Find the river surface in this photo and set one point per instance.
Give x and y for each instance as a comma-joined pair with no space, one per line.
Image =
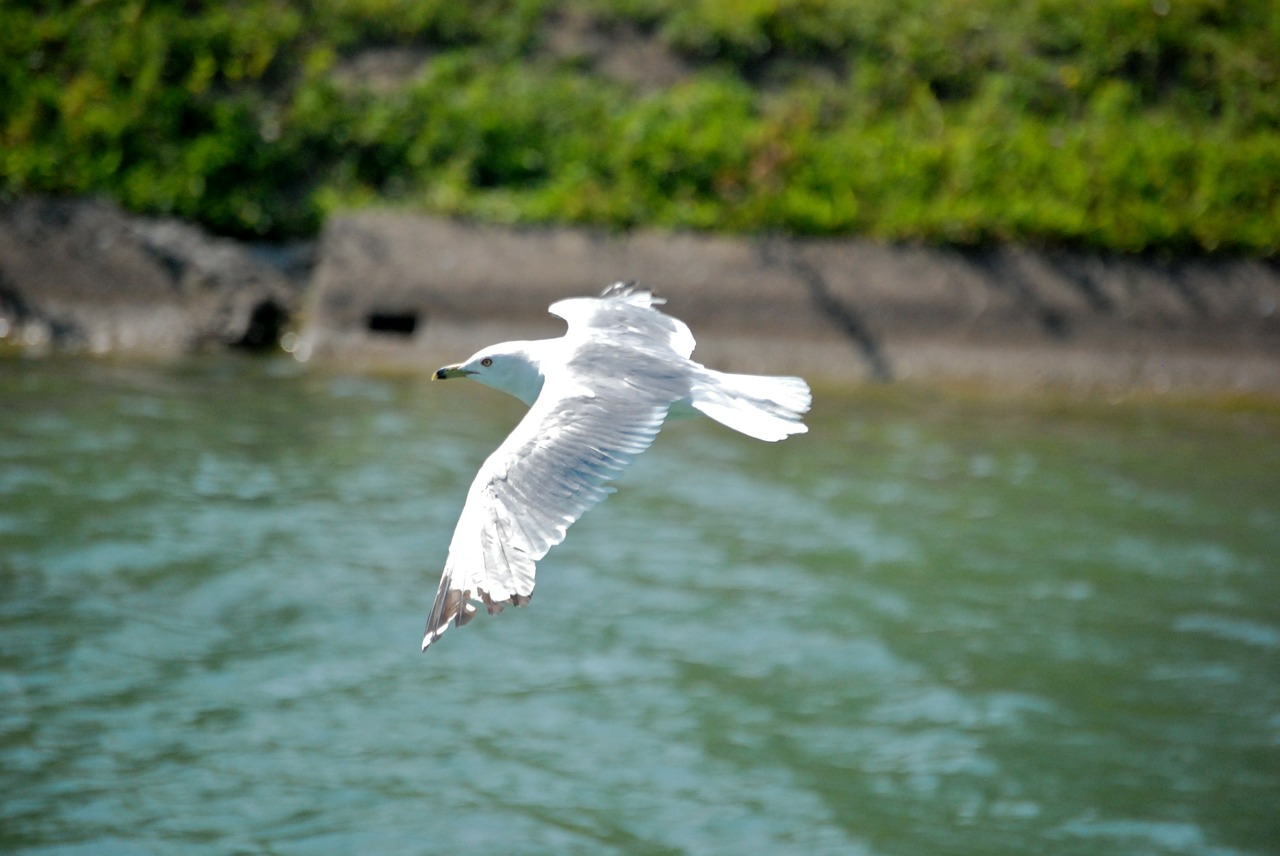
937,624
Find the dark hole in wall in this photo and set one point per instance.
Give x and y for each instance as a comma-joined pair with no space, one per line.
266,323
1054,323
12,306
392,323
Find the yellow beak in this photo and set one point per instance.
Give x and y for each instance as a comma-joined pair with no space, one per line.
450,372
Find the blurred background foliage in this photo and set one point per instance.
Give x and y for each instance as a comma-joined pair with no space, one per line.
1133,125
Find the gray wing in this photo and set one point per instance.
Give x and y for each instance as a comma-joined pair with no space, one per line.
583,430
625,311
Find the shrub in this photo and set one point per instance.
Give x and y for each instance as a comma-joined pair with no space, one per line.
1122,124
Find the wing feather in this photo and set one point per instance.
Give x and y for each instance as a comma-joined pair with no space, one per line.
626,311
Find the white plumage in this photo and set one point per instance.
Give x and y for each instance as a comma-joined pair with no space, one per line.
597,397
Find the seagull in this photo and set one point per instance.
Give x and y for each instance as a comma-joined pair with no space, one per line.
597,397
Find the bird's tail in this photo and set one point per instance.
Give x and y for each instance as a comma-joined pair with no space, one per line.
760,406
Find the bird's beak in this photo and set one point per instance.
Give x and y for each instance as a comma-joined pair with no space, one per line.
450,371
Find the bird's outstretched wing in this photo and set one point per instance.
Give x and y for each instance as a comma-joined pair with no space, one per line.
598,409
625,311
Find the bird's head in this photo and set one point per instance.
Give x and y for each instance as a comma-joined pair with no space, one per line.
512,367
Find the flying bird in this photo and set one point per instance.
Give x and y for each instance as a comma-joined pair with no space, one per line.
597,397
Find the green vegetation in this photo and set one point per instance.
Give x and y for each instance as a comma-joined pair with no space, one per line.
1136,125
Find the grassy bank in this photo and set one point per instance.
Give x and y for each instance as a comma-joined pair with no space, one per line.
1135,126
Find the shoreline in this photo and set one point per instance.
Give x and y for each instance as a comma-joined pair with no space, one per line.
409,292
999,370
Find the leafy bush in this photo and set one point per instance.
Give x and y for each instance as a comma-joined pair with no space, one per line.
1125,125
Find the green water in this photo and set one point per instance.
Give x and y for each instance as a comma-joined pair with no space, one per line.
933,625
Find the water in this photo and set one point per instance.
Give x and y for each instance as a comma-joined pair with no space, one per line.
936,624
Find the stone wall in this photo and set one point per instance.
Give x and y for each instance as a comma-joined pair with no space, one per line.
410,290
842,307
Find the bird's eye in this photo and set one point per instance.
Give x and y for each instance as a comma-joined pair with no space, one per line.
486,362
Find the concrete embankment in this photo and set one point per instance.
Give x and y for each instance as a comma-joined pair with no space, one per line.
409,290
